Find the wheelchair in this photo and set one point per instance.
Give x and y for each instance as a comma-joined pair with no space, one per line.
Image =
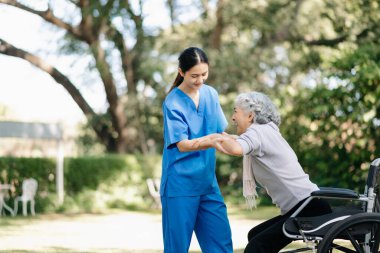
349,229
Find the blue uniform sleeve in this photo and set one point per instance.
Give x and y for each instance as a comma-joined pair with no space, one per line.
175,128
222,121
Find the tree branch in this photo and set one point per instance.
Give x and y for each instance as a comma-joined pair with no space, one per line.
136,18
47,15
216,35
8,49
172,14
126,57
325,42
206,8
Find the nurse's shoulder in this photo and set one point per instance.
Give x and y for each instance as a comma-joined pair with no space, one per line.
212,96
210,90
173,100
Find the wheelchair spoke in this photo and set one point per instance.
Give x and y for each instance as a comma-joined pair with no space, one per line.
354,242
376,239
341,248
375,246
296,250
359,233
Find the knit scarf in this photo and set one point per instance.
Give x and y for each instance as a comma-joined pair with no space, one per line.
249,183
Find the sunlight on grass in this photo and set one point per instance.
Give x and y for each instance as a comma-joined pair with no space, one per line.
112,232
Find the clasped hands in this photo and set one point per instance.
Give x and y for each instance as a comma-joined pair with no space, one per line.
216,140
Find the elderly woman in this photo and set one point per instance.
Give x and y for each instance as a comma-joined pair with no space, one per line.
271,162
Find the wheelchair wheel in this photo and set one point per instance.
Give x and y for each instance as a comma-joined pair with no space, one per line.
358,233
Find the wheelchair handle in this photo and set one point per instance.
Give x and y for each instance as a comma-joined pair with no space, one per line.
372,173
376,162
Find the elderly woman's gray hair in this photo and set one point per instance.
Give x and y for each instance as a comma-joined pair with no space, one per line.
264,109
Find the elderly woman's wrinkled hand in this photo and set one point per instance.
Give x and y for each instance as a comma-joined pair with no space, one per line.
232,136
206,141
218,144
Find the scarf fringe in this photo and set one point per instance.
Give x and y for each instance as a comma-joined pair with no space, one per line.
249,183
251,202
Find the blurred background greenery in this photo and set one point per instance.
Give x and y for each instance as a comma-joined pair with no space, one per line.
319,61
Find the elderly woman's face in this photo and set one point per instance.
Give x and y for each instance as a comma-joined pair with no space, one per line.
242,120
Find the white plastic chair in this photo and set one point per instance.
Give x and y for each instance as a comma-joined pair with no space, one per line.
154,190
29,189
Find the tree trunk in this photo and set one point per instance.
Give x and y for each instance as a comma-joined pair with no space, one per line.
216,35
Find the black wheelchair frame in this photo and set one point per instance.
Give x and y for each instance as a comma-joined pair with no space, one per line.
347,230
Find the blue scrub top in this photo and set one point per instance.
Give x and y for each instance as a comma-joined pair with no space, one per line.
190,173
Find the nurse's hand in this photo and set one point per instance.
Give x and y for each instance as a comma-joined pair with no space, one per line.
208,141
232,136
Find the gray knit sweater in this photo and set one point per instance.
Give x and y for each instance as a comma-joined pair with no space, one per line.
275,165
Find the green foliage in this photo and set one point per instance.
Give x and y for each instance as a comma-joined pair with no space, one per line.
335,131
361,66
97,183
228,173
318,60
14,170
89,172
92,184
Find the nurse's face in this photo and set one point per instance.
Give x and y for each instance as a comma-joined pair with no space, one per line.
242,120
195,77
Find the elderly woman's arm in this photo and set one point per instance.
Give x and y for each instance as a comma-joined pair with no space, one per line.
229,145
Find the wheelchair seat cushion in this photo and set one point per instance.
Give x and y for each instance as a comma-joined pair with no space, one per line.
318,225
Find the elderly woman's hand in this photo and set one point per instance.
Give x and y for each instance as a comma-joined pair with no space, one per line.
232,136
207,141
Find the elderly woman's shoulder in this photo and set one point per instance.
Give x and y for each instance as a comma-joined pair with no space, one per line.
262,127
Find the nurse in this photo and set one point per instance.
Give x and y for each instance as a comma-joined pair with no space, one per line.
190,195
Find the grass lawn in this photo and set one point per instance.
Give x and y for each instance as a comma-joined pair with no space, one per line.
111,232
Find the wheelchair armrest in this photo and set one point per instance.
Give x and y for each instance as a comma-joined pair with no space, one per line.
335,193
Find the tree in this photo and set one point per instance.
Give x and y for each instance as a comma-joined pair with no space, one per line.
294,51
113,33
276,46
96,34
336,130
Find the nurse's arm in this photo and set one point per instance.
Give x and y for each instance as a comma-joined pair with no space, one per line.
205,142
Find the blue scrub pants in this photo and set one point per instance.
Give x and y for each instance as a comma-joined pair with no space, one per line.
205,214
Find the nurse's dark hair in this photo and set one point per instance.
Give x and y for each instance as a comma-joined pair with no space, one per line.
187,59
